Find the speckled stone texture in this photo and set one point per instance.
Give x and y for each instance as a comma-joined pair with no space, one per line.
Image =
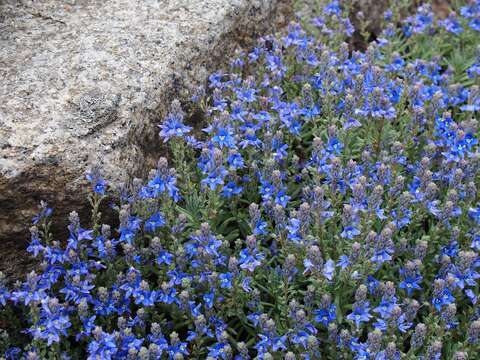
86,82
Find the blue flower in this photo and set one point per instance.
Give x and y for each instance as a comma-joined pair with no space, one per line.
294,230
344,261
282,198
35,247
443,299
164,258
226,280
246,284
76,291
475,24
452,25
382,255
173,125
474,214
209,299
53,322
267,190
215,80
13,353
99,185
4,294
249,260
260,227
360,313
168,296
153,222
386,306
422,20
218,351
333,8
246,95
329,269
45,212
231,189
224,138
177,348
104,347
476,242
349,232
235,161
474,71
279,150
54,255
88,324
158,185
387,15
215,178
410,282
326,316
250,139
334,147
469,11
471,295
372,284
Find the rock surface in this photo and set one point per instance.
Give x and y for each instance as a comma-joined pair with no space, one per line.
86,82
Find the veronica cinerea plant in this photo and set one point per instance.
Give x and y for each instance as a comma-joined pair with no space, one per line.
328,208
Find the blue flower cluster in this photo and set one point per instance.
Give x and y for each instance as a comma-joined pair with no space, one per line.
329,209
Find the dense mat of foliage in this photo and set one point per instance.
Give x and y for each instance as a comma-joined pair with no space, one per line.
328,210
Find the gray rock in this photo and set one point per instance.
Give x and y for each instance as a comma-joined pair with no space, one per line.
86,82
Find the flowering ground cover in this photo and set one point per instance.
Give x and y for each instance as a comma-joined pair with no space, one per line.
328,209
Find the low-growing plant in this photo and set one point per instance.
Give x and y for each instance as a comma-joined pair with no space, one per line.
329,209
